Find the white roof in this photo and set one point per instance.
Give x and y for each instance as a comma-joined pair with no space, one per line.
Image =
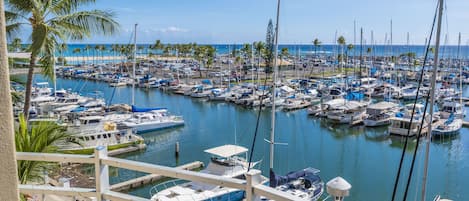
287,89
382,105
91,118
226,150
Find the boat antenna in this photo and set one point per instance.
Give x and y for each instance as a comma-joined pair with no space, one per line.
134,64
413,111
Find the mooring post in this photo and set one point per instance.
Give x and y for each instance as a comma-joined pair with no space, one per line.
253,177
177,150
101,172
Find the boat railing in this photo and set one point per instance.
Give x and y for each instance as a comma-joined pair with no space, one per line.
165,185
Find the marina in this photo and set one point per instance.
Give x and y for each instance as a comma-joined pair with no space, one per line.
334,149
173,120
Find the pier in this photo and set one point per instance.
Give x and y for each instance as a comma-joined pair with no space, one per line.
151,178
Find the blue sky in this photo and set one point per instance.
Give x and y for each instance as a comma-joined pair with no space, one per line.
240,21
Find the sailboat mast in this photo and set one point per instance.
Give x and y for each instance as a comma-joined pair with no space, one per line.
272,130
432,99
460,69
134,64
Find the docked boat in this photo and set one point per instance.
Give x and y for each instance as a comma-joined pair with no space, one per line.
226,161
151,119
304,184
449,127
380,114
347,112
452,108
118,83
93,131
402,125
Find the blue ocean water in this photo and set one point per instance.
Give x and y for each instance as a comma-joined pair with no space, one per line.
377,50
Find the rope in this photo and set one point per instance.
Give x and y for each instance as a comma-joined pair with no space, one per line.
257,122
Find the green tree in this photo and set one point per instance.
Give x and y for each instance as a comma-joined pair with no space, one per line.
246,50
269,47
53,22
316,44
76,51
42,137
341,42
283,54
16,44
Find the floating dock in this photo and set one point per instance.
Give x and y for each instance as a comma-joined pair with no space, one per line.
140,181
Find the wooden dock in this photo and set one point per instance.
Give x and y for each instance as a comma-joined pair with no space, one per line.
465,123
140,181
127,150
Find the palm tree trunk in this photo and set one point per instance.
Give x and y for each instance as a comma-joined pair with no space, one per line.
29,86
8,175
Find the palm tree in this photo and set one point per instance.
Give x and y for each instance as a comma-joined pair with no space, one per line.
259,49
62,48
87,49
16,44
51,23
247,54
283,54
42,137
76,51
157,46
316,44
341,42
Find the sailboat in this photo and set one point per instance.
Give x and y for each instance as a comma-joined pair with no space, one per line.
306,184
148,119
452,111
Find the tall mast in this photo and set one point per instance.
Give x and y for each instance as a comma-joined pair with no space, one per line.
460,69
432,99
55,76
272,129
134,64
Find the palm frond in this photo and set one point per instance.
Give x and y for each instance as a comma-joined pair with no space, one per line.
63,7
40,137
13,30
38,38
23,6
87,22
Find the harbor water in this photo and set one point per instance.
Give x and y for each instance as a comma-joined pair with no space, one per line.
366,157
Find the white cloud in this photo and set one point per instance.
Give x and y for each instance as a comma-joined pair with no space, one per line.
172,29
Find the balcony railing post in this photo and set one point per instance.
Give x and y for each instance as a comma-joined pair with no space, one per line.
253,177
101,172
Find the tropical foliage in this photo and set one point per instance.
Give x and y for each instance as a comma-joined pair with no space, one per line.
53,22
42,137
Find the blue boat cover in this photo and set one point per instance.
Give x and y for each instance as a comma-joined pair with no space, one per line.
399,114
450,119
355,96
206,82
145,109
309,174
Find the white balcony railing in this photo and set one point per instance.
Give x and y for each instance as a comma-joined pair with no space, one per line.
102,161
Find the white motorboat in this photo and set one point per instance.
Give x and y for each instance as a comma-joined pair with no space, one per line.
152,120
449,127
347,112
380,114
226,162
93,131
403,126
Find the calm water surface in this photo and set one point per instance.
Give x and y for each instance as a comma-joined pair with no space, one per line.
367,158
